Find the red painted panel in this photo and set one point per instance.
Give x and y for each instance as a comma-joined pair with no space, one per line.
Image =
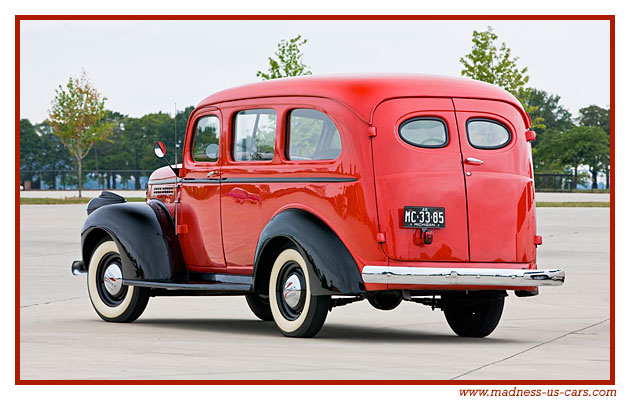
408,175
501,209
199,209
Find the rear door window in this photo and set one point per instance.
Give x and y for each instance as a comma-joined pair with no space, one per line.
487,134
424,132
254,135
312,135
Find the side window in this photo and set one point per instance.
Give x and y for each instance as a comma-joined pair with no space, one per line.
312,136
487,134
424,132
206,143
254,135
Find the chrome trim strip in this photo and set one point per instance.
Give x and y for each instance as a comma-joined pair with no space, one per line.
315,179
462,276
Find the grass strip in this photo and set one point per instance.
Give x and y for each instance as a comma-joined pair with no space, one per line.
572,204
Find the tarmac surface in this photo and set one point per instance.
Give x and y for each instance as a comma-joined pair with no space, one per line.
564,333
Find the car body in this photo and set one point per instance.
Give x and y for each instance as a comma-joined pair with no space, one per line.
385,188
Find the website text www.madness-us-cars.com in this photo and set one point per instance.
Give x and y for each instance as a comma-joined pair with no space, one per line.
551,392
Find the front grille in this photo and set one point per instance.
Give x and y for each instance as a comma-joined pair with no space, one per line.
162,190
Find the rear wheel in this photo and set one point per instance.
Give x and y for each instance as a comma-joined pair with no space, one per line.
473,315
296,311
259,304
112,300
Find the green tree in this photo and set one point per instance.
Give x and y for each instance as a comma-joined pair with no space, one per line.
30,144
597,116
491,62
548,108
288,61
108,155
54,155
574,147
77,117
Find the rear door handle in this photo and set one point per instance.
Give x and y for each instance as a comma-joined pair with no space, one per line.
213,174
473,161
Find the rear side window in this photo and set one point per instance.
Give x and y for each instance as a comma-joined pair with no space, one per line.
254,135
206,144
424,132
487,134
312,136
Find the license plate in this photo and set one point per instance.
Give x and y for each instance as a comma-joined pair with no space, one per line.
424,217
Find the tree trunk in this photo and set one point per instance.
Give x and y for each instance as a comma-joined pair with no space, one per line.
80,162
594,175
137,175
608,177
575,177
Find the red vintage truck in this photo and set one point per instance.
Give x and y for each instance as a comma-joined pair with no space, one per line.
305,194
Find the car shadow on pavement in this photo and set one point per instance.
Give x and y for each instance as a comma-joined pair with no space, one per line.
335,332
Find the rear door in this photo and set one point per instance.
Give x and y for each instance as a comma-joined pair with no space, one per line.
499,181
417,163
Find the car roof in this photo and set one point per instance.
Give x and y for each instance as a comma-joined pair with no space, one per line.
362,93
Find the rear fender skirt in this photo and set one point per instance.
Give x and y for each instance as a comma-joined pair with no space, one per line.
329,259
146,240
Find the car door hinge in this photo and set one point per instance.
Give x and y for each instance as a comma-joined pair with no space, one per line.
372,131
380,237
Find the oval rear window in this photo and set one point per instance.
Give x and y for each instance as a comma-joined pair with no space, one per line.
487,134
424,132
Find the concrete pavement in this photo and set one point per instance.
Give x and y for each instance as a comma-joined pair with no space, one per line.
561,334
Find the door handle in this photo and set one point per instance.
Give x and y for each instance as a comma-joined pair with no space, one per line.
473,161
212,174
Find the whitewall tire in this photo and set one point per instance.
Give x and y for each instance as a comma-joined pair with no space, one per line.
113,301
296,311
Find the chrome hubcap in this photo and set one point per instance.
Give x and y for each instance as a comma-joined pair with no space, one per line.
292,291
112,279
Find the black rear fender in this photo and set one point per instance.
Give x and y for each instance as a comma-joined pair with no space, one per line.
328,258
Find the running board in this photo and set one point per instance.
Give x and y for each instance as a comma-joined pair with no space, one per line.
241,286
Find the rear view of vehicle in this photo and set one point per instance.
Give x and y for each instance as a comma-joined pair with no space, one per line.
462,222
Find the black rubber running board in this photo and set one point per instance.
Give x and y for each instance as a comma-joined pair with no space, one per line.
209,287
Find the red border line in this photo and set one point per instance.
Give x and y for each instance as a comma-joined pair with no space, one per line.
19,18
17,200
612,199
317,17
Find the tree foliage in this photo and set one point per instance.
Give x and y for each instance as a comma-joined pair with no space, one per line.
287,61
580,145
595,116
77,117
492,62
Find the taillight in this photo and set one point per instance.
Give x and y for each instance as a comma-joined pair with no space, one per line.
537,240
422,236
428,237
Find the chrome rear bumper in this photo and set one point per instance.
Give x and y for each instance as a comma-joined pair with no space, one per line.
462,276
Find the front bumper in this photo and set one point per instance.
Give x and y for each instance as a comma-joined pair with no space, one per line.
462,276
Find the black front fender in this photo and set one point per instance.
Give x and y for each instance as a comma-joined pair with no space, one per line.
145,236
328,258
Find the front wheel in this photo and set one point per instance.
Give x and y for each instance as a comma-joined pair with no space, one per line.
112,300
473,316
296,311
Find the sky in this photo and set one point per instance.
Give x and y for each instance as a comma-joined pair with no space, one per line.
149,66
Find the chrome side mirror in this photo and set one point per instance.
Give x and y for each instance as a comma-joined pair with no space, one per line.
159,149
